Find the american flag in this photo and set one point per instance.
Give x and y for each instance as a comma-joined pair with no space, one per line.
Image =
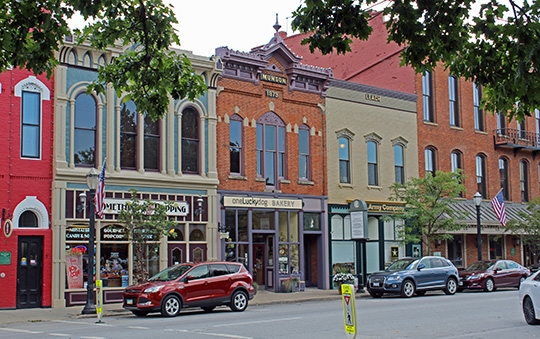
498,206
100,192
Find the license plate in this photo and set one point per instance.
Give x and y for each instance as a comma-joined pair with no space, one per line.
375,283
129,301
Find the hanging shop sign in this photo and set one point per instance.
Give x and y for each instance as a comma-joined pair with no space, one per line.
177,209
255,202
8,228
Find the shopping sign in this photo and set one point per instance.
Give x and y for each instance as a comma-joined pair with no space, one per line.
349,315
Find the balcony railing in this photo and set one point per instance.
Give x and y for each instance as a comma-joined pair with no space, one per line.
514,138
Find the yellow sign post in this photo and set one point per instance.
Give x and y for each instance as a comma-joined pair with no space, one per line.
99,299
349,315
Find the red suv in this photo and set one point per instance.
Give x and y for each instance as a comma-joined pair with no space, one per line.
205,285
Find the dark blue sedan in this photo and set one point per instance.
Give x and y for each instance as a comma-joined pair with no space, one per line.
408,276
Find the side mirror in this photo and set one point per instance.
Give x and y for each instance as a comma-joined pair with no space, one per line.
188,278
421,266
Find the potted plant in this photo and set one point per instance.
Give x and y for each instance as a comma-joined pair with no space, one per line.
343,278
287,285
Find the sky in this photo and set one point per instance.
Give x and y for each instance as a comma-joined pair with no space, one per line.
240,25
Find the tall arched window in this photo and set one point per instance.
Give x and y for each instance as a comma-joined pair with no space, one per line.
190,140
456,163
28,219
271,148
503,177
235,144
303,152
524,180
344,160
430,163
84,152
481,175
128,135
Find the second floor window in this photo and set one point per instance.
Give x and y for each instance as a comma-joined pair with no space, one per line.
151,144
481,175
190,140
85,130
429,158
524,180
31,125
501,124
373,175
522,131
455,162
235,144
303,152
478,112
344,161
453,100
128,135
399,164
427,97
270,146
503,176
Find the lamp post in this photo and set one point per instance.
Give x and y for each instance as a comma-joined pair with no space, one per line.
477,201
92,180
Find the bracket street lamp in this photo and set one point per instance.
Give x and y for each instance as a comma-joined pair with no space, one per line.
477,201
199,210
92,180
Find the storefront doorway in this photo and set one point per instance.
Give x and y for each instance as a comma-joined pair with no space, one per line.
263,263
29,272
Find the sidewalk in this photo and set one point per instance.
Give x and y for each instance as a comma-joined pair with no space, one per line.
111,310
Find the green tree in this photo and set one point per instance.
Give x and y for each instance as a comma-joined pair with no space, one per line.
497,48
145,223
428,215
528,227
149,72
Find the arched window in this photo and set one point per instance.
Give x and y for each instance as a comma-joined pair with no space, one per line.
456,163
235,144
524,180
344,160
85,130
503,177
303,152
190,140
28,219
430,164
128,135
271,148
481,175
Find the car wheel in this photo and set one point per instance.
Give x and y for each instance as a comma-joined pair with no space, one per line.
140,313
528,312
208,309
420,293
239,301
170,306
489,285
407,289
375,294
451,286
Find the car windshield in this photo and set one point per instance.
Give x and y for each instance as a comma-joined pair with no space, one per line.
171,273
401,264
480,265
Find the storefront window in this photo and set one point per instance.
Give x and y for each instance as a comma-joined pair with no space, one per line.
495,248
113,263
312,221
263,220
197,232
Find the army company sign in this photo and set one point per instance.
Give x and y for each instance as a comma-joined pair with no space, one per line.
114,206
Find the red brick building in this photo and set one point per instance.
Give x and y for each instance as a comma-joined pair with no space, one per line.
453,132
26,103
272,164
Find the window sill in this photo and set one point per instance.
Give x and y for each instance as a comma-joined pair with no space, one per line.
284,181
378,188
457,128
260,179
237,177
344,185
306,182
430,123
